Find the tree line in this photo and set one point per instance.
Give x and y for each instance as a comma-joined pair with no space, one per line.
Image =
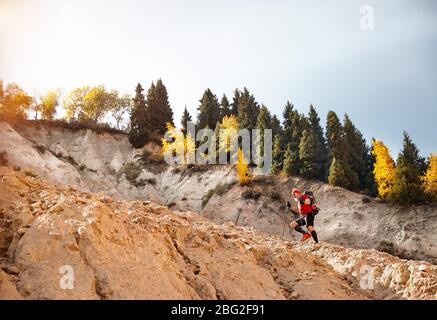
337,154
84,104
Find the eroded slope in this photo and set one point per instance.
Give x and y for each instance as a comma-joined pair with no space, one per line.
131,250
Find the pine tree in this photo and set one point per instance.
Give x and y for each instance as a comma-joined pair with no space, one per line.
208,111
407,183
298,125
292,135
384,168
247,110
139,120
304,123
158,106
412,155
225,107
276,126
359,153
339,148
320,144
372,189
308,154
287,124
264,121
429,179
234,104
338,174
186,117
277,154
335,137
278,145
287,166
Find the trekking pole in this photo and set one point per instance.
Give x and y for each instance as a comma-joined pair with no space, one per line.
285,222
238,216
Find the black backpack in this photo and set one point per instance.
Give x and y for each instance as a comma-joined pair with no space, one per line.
310,196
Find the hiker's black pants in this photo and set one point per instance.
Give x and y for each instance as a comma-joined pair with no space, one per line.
309,220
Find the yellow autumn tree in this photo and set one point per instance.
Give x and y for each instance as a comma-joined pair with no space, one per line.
180,145
15,102
429,180
228,127
242,168
384,168
49,102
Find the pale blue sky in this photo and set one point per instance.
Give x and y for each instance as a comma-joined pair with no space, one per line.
302,51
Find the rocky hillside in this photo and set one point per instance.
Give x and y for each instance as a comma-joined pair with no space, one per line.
139,249
346,218
106,162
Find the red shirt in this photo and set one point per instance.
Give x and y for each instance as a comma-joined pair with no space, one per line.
304,205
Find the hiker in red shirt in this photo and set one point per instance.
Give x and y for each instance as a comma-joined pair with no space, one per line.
307,210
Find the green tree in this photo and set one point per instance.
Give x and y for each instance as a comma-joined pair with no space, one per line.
234,104
276,126
277,154
139,119
339,149
208,111
292,136
336,141
294,145
158,108
287,124
186,117
308,155
372,187
121,108
225,107
303,123
412,155
359,154
247,110
320,154
339,175
287,166
264,121
407,184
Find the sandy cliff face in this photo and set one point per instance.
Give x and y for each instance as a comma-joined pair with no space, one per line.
130,250
97,162
107,163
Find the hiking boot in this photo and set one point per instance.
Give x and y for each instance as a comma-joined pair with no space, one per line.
305,237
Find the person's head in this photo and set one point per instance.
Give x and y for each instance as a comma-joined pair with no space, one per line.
296,193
